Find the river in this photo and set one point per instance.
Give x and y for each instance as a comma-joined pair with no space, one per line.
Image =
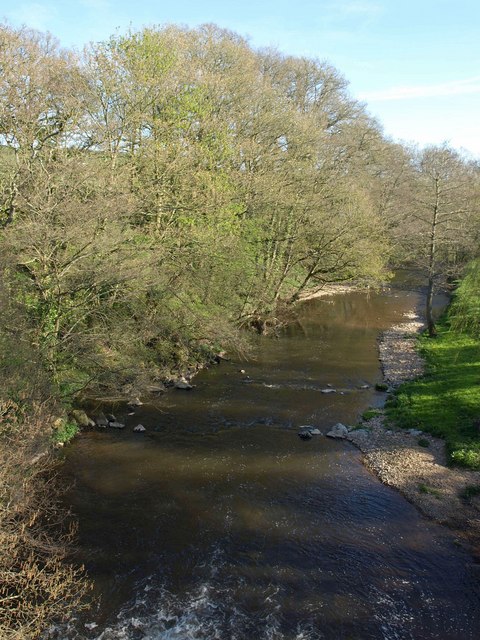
220,523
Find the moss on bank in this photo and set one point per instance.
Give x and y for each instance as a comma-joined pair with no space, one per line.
446,400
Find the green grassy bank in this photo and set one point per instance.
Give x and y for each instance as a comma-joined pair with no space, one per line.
446,400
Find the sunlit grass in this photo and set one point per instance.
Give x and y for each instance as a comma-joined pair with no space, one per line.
446,401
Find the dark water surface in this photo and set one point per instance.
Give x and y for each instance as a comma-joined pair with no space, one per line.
219,522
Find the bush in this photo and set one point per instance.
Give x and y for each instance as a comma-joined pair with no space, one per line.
65,432
37,583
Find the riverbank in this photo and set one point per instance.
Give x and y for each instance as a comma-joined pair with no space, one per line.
413,462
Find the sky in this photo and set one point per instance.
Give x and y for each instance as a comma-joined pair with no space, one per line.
415,63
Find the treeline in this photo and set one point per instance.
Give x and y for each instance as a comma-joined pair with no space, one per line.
169,187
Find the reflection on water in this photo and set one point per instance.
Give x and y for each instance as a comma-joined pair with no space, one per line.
219,522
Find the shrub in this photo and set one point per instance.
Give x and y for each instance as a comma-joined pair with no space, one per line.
37,583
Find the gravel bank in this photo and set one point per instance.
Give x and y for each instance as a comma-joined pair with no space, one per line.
394,455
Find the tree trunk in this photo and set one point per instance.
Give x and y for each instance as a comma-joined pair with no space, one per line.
432,332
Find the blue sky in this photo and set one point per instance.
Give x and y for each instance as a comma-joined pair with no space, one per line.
416,63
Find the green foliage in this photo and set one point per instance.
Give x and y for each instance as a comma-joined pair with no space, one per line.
446,401
465,310
184,186
65,432
381,386
370,413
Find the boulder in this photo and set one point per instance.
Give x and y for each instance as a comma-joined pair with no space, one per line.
82,419
101,421
136,402
139,428
338,431
111,417
305,434
182,383
116,425
156,388
312,430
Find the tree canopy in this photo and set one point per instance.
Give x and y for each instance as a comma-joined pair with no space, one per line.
169,187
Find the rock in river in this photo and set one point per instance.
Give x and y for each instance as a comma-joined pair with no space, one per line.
139,428
338,431
182,383
135,402
306,432
82,419
101,421
116,425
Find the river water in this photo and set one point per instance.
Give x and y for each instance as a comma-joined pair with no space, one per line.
220,523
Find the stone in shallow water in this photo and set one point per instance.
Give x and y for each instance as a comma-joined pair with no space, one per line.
338,431
101,421
82,419
116,425
305,434
182,383
139,428
328,391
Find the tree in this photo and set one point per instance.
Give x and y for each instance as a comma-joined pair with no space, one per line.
442,219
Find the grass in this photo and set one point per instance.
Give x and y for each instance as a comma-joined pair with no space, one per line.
370,413
424,488
446,400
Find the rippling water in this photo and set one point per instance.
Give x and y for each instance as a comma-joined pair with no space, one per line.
219,522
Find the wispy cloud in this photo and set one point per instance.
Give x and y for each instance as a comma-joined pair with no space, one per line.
454,88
